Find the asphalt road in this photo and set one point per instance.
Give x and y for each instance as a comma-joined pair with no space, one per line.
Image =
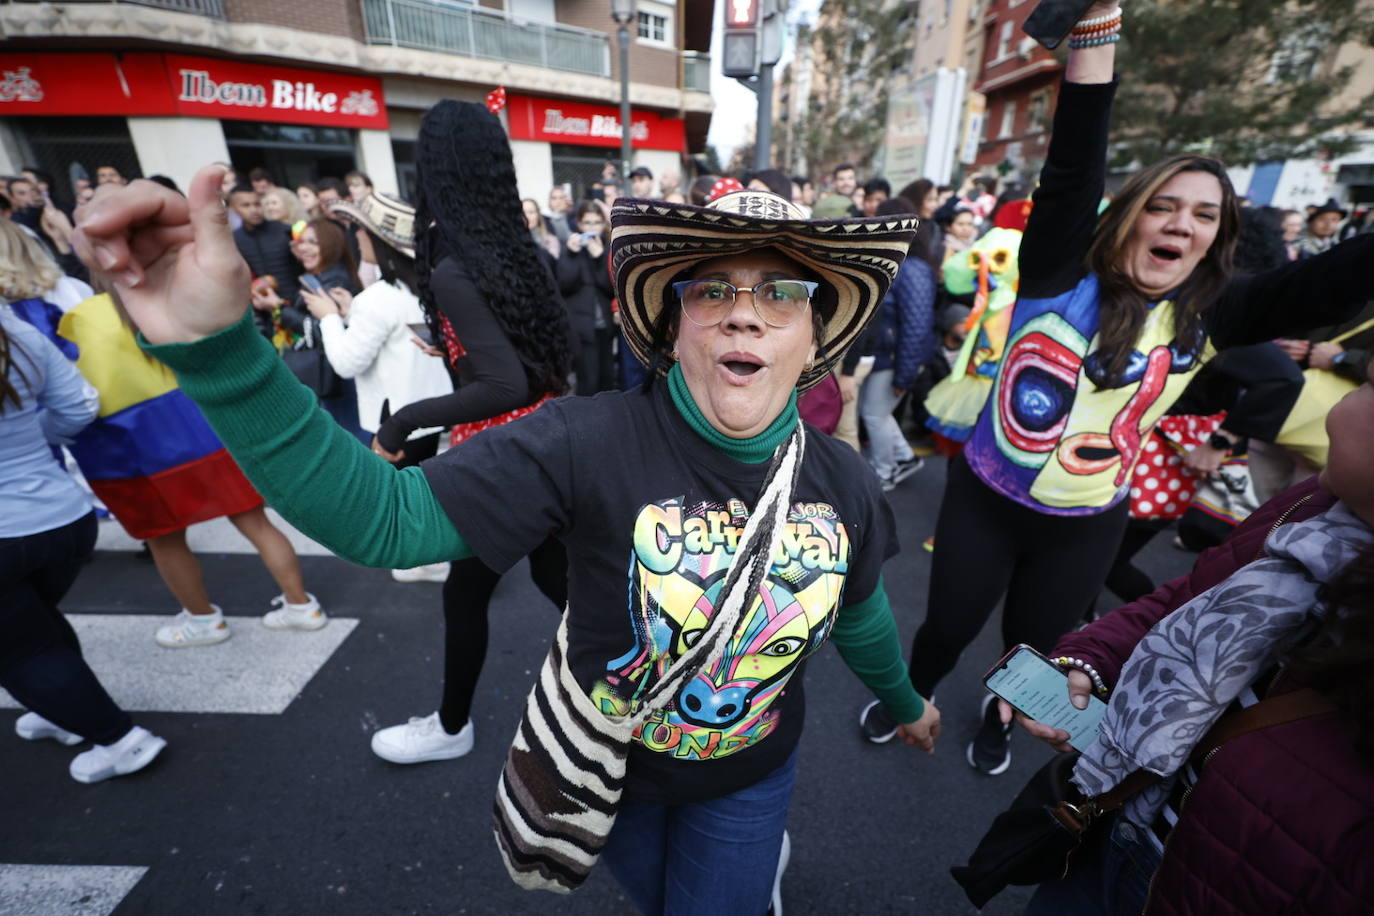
289,812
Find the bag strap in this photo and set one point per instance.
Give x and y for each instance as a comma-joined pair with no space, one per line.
1271,711
1358,329
1267,713
753,556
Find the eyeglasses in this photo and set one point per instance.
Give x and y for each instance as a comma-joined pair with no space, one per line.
776,302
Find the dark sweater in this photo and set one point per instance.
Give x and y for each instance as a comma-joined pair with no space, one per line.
490,378
586,287
267,249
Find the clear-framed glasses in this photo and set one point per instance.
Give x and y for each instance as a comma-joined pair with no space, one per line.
776,302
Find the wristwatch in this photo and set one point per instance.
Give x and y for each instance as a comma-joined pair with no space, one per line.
1220,442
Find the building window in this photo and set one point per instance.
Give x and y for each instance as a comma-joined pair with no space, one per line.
1038,113
654,23
652,26
1008,119
1004,40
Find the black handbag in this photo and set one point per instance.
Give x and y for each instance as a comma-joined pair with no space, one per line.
312,367
1034,840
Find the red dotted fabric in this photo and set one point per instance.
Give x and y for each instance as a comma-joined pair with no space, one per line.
1161,488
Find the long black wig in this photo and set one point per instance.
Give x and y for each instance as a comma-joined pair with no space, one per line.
469,208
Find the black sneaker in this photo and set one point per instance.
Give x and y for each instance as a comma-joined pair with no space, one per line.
990,750
906,468
876,724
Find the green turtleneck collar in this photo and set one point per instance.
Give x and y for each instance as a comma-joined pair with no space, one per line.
754,450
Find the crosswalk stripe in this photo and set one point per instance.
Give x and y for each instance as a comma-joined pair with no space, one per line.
72,890
256,671
215,536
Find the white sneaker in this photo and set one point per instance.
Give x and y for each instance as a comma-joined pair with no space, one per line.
784,856
421,740
308,616
434,572
187,629
128,755
33,727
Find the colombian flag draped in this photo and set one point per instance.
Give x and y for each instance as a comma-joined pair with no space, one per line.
149,455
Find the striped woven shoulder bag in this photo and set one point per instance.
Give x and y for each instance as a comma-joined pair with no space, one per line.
560,789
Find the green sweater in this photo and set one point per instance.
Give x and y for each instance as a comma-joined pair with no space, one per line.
331,487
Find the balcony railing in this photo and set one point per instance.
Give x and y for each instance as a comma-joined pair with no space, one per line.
696,71
211,8
480,33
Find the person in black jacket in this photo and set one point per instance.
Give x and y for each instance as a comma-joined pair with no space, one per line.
586,287
266,245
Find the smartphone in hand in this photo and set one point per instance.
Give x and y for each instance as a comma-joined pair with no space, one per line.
421,330
312,283
1052,20
1038,688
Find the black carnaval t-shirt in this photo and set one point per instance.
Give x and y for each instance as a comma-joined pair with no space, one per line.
651,515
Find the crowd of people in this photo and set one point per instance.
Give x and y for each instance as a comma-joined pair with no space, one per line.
766,358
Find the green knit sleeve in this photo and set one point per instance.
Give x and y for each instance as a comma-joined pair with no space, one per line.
318,476
866,636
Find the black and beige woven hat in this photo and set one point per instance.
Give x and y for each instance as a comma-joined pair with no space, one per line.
655,243
389,218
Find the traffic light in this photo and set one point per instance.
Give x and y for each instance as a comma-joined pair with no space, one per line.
740,43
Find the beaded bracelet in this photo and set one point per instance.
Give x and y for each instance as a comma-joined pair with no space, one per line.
1075,44
1095,30
1099,687
1098,20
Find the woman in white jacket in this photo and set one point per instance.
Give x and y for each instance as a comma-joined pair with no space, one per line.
375,337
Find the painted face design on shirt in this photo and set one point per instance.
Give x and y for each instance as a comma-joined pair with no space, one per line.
681,557
1052,416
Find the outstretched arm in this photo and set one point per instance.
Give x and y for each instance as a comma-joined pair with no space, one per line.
866,636
179,275
1061,224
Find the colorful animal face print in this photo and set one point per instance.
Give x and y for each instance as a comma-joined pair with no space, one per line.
679,564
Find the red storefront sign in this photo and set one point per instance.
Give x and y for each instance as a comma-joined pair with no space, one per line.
84,84
171,84
255,92
558,121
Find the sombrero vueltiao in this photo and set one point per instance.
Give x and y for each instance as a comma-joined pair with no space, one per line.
389,218
654,243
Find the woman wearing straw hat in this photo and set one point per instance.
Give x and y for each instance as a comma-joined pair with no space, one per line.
736,307
377,346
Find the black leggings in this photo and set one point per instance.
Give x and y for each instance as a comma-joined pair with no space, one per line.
40,656
1126,580
467,594
1048,566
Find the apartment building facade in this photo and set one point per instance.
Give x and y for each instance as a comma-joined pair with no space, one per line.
318,87
1019,82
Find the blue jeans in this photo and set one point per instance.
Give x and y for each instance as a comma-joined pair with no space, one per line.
716,857
1111,877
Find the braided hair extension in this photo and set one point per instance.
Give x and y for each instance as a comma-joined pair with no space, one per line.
469,207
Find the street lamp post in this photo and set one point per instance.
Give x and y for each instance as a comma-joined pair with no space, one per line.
623,12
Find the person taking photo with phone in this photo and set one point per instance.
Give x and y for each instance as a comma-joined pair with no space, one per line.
585,284
322,249
377,348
